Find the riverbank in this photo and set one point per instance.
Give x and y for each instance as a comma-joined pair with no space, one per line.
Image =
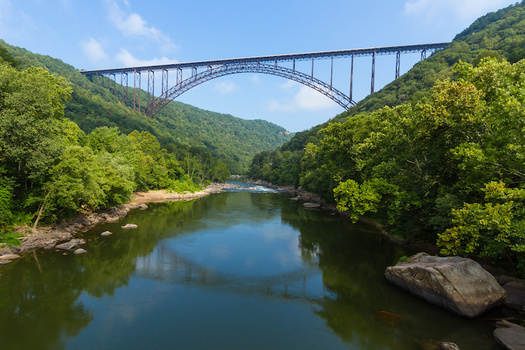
47,237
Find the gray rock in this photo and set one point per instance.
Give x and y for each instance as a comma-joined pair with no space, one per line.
512,338
311,205
106,233
448,346
515,294
143,206
129,226
80,251
112,218
71,244
9,256
457,284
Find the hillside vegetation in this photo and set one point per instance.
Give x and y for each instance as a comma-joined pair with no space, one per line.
68,145
179,127
437,155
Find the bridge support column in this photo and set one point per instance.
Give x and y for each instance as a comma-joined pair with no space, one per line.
136,87
151,87
331,72
351,79
373,72
123,82
114,80
179,76
164,81
398,64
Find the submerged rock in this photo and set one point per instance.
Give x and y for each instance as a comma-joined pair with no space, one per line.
388,319
80,251
106,233
457,284
512,338
129,226
71,244
311,205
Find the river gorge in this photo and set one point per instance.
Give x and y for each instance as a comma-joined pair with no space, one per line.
235,270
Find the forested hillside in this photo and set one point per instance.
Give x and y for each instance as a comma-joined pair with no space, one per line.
67,145
179,127
436,155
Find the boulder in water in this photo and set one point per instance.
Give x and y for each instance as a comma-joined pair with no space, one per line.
71,244
130,226
457,284
311,205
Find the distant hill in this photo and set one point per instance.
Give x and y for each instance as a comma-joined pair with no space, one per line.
178,126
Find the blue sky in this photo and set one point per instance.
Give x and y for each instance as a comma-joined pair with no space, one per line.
115,33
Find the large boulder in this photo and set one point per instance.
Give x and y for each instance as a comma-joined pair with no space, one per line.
457,284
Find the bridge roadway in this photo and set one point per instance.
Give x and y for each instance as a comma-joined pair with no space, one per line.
257,64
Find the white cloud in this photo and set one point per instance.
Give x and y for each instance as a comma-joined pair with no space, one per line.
306,99
129,60
94,51
226,87
463,10
133,25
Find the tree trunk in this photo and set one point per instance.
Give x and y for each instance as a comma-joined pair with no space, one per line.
40,211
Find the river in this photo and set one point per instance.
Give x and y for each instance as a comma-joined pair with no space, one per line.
235,270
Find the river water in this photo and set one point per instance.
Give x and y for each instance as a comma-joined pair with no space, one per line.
236,270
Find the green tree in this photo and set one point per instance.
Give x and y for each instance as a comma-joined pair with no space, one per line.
31,119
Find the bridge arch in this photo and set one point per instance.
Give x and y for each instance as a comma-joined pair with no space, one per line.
213,72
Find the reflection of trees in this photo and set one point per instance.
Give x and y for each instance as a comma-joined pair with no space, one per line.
39,303
352,259
37,308
40,308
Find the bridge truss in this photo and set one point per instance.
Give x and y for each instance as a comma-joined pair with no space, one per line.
203,71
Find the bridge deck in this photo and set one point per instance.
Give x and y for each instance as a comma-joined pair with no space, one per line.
278,58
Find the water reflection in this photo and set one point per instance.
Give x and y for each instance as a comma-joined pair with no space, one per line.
234,270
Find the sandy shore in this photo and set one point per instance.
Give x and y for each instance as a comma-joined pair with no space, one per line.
48,237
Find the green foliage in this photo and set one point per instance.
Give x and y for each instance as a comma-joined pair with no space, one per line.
31,125
85,180
184,184
499,35
234,141
431,166
9,237
494,229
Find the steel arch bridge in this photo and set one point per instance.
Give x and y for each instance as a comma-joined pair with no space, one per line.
203,71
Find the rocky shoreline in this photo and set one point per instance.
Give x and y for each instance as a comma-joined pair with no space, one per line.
66,231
